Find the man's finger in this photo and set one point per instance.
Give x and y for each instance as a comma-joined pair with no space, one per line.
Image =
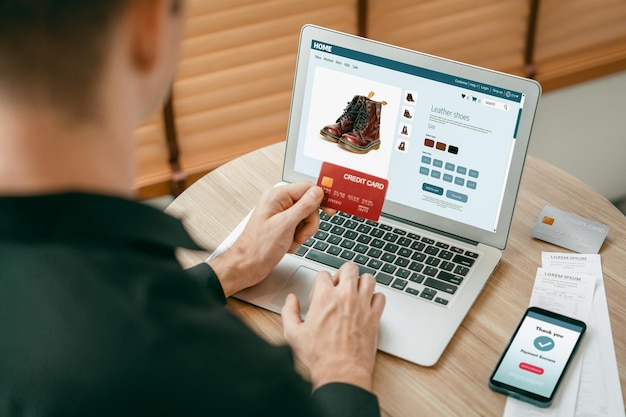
291,315
307,228
323,278
367,283
303,207
348,274
378,303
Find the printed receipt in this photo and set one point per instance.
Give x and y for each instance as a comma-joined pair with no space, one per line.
572,284
565,292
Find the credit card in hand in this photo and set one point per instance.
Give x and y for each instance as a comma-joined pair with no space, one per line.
351,191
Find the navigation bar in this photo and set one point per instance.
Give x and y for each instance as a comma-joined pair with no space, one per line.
418,71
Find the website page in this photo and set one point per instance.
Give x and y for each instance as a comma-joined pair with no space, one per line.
444,143
536,358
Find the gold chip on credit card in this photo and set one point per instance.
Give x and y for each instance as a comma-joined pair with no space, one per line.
327,182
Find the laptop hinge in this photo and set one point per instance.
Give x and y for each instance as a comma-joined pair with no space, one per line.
430,229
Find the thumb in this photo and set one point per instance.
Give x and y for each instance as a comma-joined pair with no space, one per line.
291,316
307,204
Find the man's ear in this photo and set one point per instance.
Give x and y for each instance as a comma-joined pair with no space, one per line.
146,19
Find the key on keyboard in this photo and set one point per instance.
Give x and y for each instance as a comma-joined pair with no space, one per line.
418,266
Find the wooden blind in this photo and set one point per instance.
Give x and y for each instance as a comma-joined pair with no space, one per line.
488,33
233,89
152,169
578,40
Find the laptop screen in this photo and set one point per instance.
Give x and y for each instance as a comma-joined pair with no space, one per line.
444,140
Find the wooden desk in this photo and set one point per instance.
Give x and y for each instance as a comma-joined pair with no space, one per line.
457,384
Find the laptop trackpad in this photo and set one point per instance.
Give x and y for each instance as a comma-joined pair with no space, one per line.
300,284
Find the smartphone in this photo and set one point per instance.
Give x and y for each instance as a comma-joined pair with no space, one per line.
537,356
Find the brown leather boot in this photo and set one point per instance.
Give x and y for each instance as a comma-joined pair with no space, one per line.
344,123
365,135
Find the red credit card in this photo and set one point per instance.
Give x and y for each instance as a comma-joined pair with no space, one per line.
351,191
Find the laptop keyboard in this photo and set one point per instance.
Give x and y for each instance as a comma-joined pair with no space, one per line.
418,266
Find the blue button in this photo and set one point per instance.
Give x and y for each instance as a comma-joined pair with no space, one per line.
432,189
424,170
449,166
453,195
473,173
438,163
459,181
426,159
435,174
544,343
461,170
471,184
447,177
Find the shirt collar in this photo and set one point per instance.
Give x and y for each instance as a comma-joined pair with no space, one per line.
77,215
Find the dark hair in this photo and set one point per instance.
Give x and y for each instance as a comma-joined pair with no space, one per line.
54,49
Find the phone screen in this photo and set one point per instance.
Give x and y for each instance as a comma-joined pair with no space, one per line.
537,356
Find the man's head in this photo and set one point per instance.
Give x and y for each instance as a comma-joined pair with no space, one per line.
55,51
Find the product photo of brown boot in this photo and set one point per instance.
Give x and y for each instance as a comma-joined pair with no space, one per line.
344,123
365,135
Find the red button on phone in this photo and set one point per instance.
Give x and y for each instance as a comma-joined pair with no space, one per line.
531,368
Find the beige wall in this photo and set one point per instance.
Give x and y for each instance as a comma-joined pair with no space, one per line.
582,130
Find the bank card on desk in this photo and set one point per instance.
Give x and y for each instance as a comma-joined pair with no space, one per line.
569,230
351,191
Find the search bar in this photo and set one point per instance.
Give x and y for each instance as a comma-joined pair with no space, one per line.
496,104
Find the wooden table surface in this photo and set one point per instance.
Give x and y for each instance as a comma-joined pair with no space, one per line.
457,384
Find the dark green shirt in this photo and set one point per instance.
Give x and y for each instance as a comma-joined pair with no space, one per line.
97,318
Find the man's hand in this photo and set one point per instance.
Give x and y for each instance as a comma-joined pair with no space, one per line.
339,338
285,217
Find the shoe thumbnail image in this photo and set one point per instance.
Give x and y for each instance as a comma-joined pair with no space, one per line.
403,145
405,130
358,128
410,97
407,113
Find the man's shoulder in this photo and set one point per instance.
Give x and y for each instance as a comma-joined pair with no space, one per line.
132,323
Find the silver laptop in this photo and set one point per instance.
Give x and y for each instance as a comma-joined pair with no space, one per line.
450,138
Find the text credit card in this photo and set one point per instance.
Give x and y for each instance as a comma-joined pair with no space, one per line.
569,230
351,191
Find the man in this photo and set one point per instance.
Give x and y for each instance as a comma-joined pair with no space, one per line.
96,316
